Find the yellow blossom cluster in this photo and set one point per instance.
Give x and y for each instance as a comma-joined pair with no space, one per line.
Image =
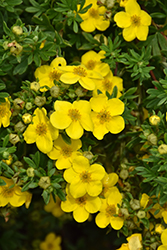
90,190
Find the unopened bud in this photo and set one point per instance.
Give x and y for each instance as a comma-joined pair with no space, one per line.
135,204
125,212
14,138
141,214
159,228
17,164
127,187
18,103
80,92
88,155
27,118
152,139
19,127
154,120
55,91
16,49
17,30
162,149
110,3
44,182
28,105
35,86
9,160
124,174
30,172
71,94
40,101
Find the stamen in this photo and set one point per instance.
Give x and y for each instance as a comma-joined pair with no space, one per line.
41,129
80,71
93,13
54,75
85,176
91,64
66,151
104,116
107,85
110,210
135,20
74,114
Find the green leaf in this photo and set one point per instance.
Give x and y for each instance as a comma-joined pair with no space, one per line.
158,15
61,194
2,182
2,86
3,94
22,67
5,140
6,29
75,27
46,196
66,138
29,162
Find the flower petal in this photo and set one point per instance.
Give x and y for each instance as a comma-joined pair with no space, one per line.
60,120
87,83
116,124
97,172
80,214
122,19
94,188
93,204
116,222
88,25
69,78
77,188
129,33
142,32
145,18
75,130
102,220
44,143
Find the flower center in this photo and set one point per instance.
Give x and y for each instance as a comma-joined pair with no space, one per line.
110,210
7,192
66,151
91,64
74,114
2,110
107,85
135,20
93,13
85,176
54,75
104,116
79,71
81,201
41,129
50,246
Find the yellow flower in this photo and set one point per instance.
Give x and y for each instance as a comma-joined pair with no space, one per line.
64,153
47,74
134,22
84,178
52,242
80,73
5,113
81,207
73,117
109,211
108,182
108,84
123,3
54,207
92,61
41,131
164,240
134,243
11,194
94,17
106,115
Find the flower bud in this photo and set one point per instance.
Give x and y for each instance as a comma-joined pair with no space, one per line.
30,172
71,94
14,138
159,228
88,155
5,155
17,164
19,127
125,212
35,86
27,118
17,30
28,105
5,45
110,3
135,204
16,49
9,160
124,174
44,182
40,101
152,139
104,38
162,149
127,187
18,103
80,92
141,214
154,120
55,91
